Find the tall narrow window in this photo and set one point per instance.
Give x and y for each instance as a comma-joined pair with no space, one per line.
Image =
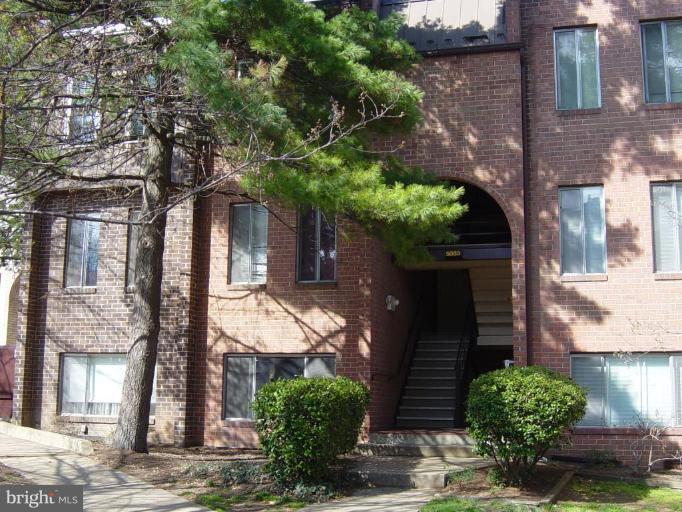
666,203
91,384
133,235
84,116
316,246
576,55
249,243
82,253
583,230
662,53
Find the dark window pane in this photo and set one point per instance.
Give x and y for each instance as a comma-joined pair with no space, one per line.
92,247
238,387
240,268
567,74
273,368
654,66
595,236
133,234
674,60
589,70
74,255
570,202
307,246
259,243
320,367
327,249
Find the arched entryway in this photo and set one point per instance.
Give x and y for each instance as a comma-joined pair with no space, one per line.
464,317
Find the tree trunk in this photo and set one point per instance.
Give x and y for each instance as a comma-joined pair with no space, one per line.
133,417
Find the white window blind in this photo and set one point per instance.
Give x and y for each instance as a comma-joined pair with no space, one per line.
249,244
666,204
662,53
583,230
82,253
576,54
588,371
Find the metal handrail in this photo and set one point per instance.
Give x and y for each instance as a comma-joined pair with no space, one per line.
466,343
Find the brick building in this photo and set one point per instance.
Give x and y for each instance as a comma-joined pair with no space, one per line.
562,121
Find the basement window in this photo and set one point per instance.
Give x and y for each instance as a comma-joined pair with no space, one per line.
630,390
244,375
92,384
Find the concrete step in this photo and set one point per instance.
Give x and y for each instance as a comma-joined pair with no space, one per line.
495,340
434,362
430,413
433,401
494,329
412,422
495,317
432,381
435,345
435,371
451,353
407,450
435,391
457,437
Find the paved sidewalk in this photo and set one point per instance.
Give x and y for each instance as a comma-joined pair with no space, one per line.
104,489
378,500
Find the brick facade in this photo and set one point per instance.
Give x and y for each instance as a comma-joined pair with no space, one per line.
473,133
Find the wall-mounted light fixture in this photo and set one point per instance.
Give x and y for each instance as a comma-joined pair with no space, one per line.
391,303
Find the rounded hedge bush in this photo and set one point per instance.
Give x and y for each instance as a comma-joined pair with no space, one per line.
515,415
305,423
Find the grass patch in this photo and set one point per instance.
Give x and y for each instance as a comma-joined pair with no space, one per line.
265,501
462,505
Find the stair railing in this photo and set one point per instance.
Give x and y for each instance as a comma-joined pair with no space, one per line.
467,342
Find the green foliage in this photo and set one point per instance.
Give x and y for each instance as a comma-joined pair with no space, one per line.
516,414
242,472
304,424
467,505
308,69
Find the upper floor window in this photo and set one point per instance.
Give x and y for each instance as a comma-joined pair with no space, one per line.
92,384
630,391
583,230
82,253
249,243
576,56
84,117
316,246
662,53
666,203
133,235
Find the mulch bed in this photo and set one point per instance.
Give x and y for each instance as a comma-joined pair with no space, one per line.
10,477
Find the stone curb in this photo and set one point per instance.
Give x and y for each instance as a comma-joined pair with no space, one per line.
551,497
79,446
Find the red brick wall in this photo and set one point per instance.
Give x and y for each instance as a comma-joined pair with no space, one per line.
55,320
283,316
472,133
624,145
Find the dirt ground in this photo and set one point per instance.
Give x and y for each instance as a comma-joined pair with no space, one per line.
10,477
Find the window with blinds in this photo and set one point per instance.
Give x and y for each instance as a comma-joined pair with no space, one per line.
629,391
576,63
249,243
583,230
666,205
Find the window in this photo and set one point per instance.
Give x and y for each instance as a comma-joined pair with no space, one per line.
91,384
249,243
576,63
244,375
666,203
316,246
81,253
84,116
583,230
630,391
133,234
662,53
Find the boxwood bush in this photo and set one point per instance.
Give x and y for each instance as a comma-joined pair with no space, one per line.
515,415
304,424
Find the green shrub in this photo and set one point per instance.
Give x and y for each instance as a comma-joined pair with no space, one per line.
515,415
304,424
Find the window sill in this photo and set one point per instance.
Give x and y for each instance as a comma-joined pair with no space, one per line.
237,423
247,286
583,278
317,285
662,106
579,112
668,276
129,289
80,290
621,431
104,420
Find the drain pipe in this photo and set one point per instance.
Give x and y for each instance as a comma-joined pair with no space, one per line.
526,200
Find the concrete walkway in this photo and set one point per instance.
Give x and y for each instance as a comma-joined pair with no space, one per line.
378,500
104,489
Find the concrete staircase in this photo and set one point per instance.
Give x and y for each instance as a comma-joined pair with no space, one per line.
491,289
430,393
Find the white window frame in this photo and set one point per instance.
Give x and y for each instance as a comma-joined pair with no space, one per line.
251,206
582,221
674,362
666,71
88,356
299,242
674,185
85,248
255,357
579,91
